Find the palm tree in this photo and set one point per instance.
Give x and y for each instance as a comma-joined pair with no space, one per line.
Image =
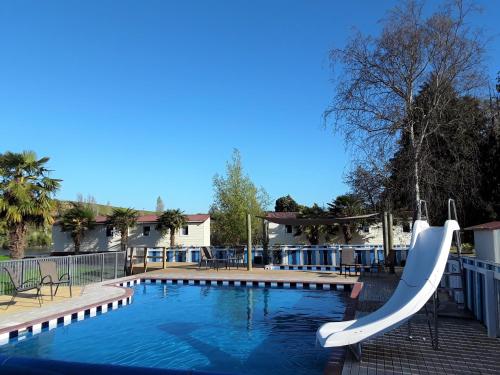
345,206
78,220
122,219
171,220
26,192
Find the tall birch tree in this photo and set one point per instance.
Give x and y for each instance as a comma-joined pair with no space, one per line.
374,106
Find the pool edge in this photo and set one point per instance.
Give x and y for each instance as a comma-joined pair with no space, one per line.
67,316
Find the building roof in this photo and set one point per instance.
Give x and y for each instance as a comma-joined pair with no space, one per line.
197,218
492,225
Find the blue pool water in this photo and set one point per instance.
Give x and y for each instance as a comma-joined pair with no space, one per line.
223,329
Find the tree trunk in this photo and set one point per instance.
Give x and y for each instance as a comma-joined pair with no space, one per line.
77,240
17,240
124,241
416,170
417,187
346,229
172,237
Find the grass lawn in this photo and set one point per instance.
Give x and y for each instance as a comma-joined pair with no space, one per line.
4,257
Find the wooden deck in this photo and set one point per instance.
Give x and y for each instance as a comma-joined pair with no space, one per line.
464,347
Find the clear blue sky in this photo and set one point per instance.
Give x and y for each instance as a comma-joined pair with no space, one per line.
135,99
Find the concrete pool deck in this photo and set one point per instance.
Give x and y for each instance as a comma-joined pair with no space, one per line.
26,302
191,271
26,312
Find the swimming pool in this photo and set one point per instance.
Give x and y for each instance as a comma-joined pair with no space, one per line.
242,330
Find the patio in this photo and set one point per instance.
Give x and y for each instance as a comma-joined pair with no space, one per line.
27,312
25,302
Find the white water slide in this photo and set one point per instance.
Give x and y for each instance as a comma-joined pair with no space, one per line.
426,262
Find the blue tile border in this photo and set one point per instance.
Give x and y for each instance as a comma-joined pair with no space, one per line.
240,283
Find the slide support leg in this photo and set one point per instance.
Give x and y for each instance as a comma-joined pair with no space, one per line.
356,351
410,336
433,333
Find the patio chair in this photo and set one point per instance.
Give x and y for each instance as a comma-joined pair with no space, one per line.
237,258
207,257
348,260
21,286
49,275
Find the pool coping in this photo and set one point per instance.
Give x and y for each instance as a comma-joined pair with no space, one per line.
250,282
66,317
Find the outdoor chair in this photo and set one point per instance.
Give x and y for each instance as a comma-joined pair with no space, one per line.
207,257
348,260
50,276
21,286
238,257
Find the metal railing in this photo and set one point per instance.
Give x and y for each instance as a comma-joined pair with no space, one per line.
83,269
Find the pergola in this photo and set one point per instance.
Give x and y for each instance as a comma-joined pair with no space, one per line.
306,221
293,220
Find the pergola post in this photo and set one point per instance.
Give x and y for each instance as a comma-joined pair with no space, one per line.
131,261
249,242
145,258
390,244
164,257
265,242
385,236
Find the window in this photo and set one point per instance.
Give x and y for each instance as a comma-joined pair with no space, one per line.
366,228
185,230
288,228
406,227
109,231
145,230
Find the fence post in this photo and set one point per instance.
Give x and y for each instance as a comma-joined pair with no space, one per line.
22,271
102,267
490,302
69,268
116,265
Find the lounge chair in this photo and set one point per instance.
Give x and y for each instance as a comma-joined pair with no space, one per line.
49,275
348,260
21,286
238,257
207,257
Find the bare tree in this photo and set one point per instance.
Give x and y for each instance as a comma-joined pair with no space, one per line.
367,185
374,105
89,201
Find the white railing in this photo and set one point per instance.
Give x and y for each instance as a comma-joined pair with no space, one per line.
280,254
482,288
83,269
